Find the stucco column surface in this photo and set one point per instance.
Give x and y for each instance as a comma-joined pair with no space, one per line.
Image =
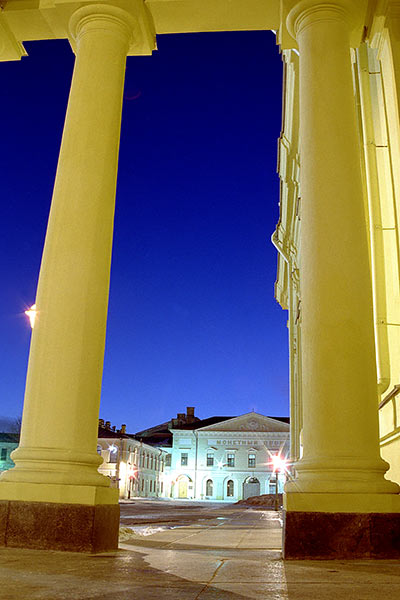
392,23
59,427
340,419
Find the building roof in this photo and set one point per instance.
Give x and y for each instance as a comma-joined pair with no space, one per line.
213,421
104,432
203,423
11,438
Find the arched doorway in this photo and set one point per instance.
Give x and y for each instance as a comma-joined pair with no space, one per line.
183,487
209,487
230,489
251,487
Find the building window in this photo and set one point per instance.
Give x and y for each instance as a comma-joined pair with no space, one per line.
4,454
113,454
184,459
142,485
99,449
147,461
168,460
209,487
151,462
252,460
231,460
151,485
162,487
230,488
210,459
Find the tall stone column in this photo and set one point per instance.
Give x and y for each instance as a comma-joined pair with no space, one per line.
341,470
55,480
392,22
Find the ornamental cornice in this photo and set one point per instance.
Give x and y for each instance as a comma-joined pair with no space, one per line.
241,434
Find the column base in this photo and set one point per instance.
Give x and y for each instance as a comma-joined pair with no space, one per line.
57,526
320,535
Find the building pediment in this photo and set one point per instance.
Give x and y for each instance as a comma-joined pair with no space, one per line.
252,422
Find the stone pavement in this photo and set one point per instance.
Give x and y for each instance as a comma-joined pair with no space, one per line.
235,557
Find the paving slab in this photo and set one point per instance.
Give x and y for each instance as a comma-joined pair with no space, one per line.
234,558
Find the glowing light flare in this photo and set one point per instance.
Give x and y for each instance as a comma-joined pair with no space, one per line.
31,313
122,473
278,463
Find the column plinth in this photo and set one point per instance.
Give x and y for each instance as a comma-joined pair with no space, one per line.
341,470
56,462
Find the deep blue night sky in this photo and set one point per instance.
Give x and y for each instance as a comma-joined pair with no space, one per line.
192,317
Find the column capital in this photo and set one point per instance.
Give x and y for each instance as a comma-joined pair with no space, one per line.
304,13
104,17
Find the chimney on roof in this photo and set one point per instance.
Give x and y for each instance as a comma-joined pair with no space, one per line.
189,414
108,425
123,428
181,418
113,427
101,422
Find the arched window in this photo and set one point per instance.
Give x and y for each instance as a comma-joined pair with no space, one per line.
230,488
209,487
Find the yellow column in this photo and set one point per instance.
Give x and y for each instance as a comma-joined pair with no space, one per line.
341,469
392,22
57,460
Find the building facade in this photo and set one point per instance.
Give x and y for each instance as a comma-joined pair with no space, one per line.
134,468
8,443
225,458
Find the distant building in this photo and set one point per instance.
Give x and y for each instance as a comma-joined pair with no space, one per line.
137,469
220,458
8,443
227,458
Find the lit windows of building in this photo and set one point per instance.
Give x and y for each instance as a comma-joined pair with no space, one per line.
251,462
124,460
210,459
184,459
230,488
230,460
209,487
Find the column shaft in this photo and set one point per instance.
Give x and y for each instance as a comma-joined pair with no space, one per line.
340,426
59,427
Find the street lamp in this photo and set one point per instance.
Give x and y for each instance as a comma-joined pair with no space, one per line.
278,465
31,313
